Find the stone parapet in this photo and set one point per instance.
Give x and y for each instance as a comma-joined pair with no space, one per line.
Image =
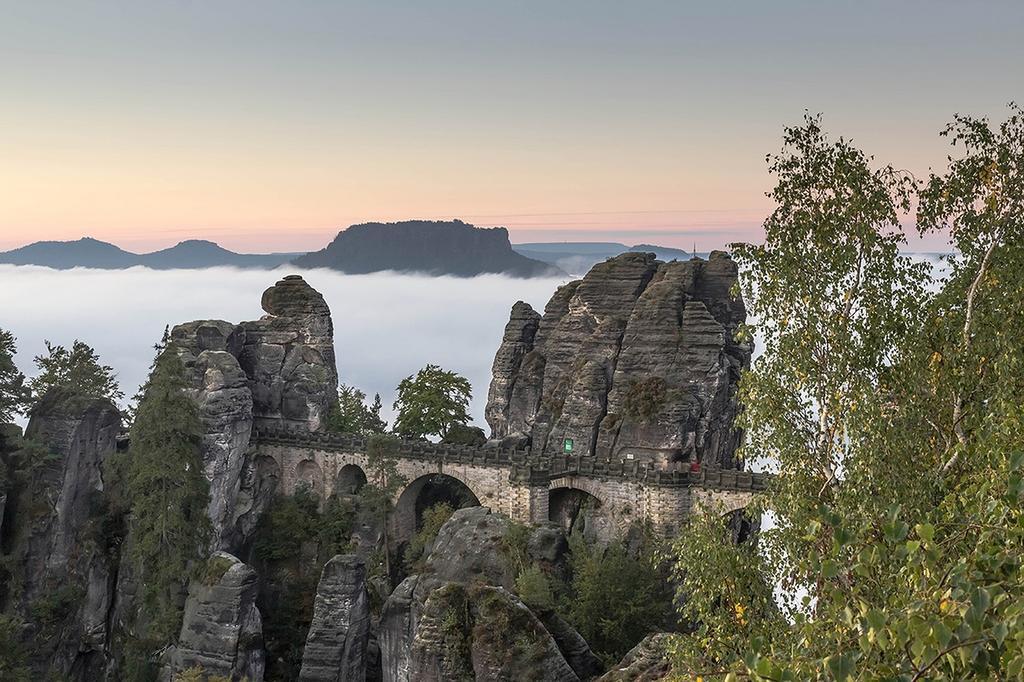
524,467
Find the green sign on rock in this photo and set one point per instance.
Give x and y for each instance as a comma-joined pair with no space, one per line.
567,446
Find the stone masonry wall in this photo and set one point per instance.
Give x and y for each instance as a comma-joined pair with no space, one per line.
664,500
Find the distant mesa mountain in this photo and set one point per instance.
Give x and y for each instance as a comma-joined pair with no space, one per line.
431,247
665,253
427,246
92,253
578,257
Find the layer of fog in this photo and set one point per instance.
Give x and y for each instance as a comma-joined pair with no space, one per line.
386,325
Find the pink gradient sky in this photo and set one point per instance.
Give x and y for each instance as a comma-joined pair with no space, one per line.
269,126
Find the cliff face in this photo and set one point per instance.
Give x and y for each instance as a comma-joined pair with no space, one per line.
61,575
637,359
432,247
459,618
276,370
221,630
338,635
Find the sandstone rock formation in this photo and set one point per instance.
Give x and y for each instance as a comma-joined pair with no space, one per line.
460,619
279,370
646,662
221,632
288,356
574,648
515,345
336,644
61,574
636,360
220,389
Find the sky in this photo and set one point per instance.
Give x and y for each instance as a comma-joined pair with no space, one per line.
269,126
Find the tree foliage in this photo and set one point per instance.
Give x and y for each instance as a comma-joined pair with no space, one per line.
296,519
383,481
13,653
295,537
893,412
77,370
534,587
431,403
167,492
351,414
434,517
14,393
726,610
617,597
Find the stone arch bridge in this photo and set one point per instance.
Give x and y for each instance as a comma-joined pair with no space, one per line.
524,486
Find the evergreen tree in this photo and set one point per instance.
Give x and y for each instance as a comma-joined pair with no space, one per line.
77,370
14,394
617,597
13,653
167,492
431,403
350,414
382,485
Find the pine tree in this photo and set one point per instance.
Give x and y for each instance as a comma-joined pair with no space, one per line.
14,394
77,370
350,414
167,492
383,483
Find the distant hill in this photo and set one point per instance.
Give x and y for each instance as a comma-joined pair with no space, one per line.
578,257
85,252
428,246
665,253
92,253
198,253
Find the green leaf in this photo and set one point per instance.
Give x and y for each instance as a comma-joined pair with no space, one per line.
841,667
875,619
980,599
999,632
942,634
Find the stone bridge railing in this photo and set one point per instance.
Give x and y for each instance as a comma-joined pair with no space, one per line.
527,487
523,466
408,449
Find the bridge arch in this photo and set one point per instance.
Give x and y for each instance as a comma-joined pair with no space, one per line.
264,471
309,473
422,493
578,505
569,507
349,479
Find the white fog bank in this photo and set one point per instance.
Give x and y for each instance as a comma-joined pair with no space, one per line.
386,325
